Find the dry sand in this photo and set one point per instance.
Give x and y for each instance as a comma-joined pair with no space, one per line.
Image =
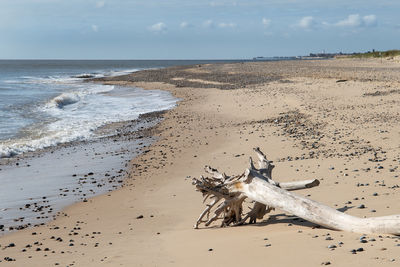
345,133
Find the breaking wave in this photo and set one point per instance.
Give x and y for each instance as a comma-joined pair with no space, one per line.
64,100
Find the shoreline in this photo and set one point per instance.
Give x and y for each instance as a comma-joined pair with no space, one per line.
104,178
149,221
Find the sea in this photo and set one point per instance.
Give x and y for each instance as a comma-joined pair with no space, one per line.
47,102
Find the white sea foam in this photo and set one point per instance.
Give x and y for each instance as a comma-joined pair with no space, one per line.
64,100
75,115
71,78
119,72
75,109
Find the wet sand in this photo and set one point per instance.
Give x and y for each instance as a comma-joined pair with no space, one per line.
37,185
334,120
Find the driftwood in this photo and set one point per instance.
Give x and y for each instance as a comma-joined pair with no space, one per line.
228,193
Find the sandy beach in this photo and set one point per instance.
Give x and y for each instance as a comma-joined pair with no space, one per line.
334,120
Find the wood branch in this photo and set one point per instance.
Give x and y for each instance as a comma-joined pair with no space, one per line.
257,185
206,211
291,186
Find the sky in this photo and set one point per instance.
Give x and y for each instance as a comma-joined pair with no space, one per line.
194,29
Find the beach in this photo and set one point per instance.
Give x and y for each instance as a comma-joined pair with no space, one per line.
334,120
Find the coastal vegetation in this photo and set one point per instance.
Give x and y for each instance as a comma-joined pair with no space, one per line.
377,54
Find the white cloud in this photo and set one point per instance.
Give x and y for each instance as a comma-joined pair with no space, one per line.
95,28
355,20
100,4
160,27
185,25
306,23
208,23
266,22
226,25
370,20
211,24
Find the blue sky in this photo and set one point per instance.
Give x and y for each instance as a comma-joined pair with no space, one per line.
201,29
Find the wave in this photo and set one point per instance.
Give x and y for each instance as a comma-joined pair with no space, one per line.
119,72
72,78
75,115
68,109
11,148
64,100
84,76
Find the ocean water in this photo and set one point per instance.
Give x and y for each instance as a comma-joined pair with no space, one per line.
47,102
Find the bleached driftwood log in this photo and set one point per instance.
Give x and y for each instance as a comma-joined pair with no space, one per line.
229,209
229,193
